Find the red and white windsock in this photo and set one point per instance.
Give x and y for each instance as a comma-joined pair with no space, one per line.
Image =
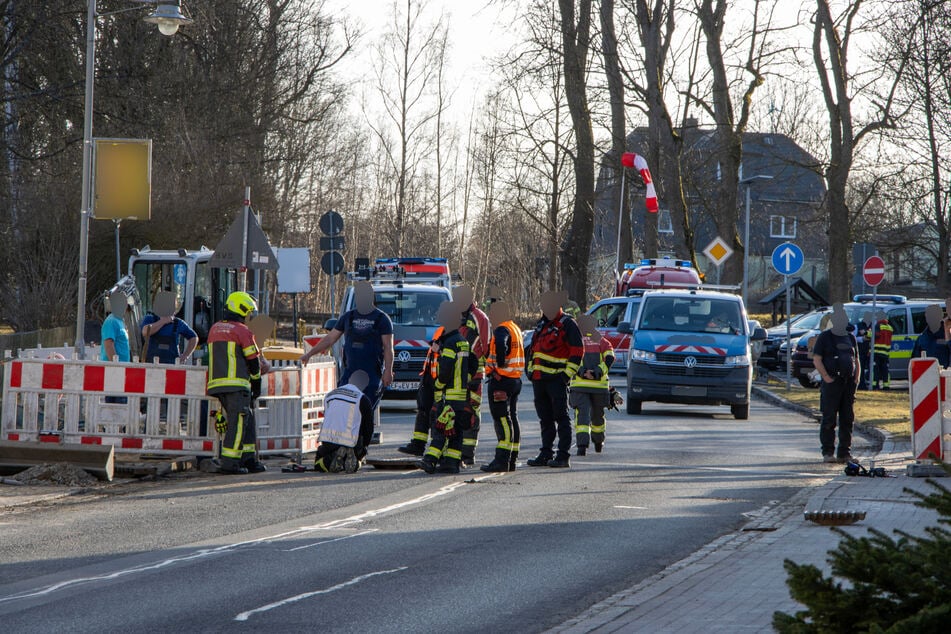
630,159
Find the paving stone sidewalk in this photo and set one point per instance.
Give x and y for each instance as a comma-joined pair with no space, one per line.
735,583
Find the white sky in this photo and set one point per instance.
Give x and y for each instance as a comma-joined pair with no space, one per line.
476,33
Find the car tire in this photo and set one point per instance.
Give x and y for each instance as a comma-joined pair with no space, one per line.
740,411
633,406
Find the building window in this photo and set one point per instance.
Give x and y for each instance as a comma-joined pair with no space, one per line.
664,223
782,227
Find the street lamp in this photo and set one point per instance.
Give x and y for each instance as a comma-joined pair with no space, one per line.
746,237
168,16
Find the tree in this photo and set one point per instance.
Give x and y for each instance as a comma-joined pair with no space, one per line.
893,585
576,247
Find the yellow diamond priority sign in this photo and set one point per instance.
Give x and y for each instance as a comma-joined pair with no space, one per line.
718,251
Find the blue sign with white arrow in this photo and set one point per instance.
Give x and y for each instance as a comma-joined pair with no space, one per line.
788,258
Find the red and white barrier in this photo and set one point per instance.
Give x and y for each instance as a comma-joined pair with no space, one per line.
65,401
927,408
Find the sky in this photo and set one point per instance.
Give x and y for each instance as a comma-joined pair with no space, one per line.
476,32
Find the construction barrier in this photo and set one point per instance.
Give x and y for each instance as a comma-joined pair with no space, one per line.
930,409
152,408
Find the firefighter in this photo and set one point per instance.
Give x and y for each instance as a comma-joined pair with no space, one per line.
590,392
477,331
504,366
235,366
882,347
451,412
424,399
553,359
347,427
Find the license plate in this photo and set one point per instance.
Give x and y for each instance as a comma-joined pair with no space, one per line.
404,386
688,390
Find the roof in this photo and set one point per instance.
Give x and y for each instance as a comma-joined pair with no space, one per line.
802,293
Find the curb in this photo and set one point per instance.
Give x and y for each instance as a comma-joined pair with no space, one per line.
876,435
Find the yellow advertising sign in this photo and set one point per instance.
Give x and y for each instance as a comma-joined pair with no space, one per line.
122,183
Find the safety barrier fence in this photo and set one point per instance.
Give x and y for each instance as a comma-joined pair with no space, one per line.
929,394
153,408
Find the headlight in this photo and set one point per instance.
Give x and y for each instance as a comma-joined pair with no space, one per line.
642,355
740,359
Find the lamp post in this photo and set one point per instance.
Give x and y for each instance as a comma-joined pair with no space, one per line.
746,236
627,160
168,16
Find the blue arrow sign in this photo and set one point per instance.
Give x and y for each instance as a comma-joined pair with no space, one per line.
788,258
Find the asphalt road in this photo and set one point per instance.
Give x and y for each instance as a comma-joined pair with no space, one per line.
402,551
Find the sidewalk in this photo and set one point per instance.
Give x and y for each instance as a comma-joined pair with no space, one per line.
735,583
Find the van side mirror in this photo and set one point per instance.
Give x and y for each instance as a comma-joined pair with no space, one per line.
759,334
625,328
330,323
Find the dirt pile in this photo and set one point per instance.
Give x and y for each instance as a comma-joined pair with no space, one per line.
59,473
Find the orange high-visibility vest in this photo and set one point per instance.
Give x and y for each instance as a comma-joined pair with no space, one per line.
515,361
431,364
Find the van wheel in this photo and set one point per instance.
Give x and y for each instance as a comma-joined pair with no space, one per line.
633,407
740,412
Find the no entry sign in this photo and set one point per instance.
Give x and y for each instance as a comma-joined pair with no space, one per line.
874,271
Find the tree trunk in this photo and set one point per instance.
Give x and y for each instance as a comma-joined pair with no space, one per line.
576,247
612,70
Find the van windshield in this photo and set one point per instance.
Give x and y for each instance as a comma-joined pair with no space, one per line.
691,314
409,307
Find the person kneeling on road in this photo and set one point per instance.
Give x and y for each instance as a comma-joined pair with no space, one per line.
347,428
452,412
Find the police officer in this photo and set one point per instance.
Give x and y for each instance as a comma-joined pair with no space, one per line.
882,347
590,391
235,366
504,366
835,357
451,413
553,359
932,340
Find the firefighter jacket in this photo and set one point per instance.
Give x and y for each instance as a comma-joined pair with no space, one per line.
456,367
233,363
556,349
506,354
598,357
883,337
431,364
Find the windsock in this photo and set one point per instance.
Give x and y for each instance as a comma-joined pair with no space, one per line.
630,159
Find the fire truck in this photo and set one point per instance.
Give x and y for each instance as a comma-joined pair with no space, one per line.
409,290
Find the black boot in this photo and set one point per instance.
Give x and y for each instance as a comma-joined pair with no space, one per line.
427,464
541,460
413,448
560,462
499,464
448,465
598,446
513,460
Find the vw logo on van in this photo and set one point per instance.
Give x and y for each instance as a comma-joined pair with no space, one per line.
403,356
690,361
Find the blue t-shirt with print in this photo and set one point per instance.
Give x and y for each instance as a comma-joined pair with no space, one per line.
164,343
363,343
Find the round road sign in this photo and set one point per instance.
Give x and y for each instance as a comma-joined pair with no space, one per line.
874,270
331,262
331,223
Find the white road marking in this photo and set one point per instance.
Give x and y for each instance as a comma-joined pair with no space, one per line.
210,552
340,586
681,467
621,506
330,541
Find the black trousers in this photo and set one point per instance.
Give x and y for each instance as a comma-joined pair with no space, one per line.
551,405
424,403
836,401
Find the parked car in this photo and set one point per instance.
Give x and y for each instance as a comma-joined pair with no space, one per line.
906,317
775,336
610,313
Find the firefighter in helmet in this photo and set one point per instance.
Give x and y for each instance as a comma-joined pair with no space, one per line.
235,366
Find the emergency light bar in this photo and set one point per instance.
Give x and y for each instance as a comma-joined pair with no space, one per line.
885,299
659,262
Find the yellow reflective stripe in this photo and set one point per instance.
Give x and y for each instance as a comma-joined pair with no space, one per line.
449,353
235,451
597,429
548,357
229,382
249,351
583,429
506,426
516,446
456,394
548,370
232,367
435,452
504,446
454,453
418,435
470,442
578,381
571,368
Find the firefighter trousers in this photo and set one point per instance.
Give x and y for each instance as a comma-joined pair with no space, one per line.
503,405
238,447
551,405
424,403
589,416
